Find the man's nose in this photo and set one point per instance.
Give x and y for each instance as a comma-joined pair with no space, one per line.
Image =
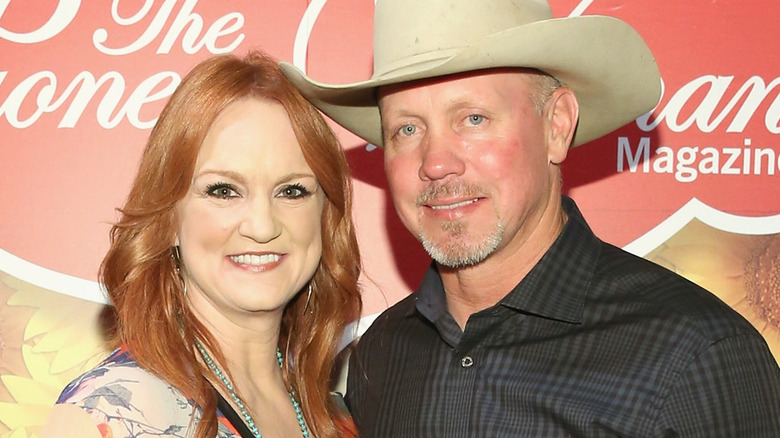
441,156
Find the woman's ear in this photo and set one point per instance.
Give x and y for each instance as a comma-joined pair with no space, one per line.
562,114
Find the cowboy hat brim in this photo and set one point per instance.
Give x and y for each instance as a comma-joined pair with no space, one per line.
602,59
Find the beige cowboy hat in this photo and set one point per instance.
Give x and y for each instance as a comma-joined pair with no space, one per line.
603,59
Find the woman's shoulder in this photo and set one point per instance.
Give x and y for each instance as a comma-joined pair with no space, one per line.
120,396
117,363
116,379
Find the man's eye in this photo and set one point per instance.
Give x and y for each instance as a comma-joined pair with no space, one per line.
476,119
294,191
221,190
408,130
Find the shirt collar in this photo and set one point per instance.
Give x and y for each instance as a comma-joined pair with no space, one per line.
556,288
431,301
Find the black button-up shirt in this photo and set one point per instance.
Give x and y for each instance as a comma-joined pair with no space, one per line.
594,342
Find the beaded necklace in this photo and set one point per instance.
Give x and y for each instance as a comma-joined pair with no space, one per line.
244,413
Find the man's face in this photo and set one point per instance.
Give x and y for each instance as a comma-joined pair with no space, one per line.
468,163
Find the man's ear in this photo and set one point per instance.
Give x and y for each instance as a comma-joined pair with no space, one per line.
562,113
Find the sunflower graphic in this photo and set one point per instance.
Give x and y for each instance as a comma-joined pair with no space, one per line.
742,270
46,340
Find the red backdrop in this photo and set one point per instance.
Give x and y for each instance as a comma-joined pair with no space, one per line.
692,185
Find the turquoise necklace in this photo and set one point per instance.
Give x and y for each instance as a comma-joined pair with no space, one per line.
248,418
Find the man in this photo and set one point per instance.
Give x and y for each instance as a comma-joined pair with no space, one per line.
527,325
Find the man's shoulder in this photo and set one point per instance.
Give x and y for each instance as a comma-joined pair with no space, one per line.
657,290
401,308
394,314
388,322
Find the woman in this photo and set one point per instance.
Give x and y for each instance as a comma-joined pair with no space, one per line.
233,270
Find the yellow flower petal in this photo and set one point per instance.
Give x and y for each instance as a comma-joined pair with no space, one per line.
19,433
16,415
38,366
28,391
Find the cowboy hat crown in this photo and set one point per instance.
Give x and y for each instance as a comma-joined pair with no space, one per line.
602,59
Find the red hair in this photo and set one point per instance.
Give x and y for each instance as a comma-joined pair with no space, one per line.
139,271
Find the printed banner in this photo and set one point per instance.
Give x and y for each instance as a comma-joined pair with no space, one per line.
692,185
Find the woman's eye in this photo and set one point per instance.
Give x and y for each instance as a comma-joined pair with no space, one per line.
221,191
476,119
294,191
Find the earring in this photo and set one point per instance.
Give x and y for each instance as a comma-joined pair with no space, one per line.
308,298
176,256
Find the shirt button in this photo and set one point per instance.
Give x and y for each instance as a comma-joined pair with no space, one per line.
466,362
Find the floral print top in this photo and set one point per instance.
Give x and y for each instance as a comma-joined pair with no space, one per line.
126,401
